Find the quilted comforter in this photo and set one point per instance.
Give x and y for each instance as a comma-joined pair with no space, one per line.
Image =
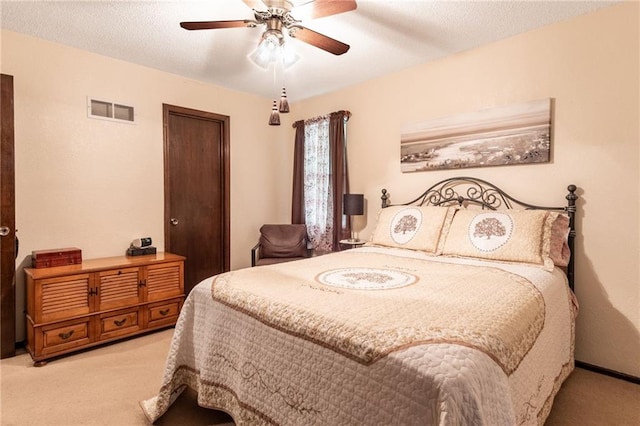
374,336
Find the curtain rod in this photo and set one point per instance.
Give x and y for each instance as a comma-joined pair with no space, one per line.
346,114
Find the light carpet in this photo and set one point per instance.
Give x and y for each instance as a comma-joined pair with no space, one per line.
103,386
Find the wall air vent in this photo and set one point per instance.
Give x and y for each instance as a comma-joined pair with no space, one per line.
107,110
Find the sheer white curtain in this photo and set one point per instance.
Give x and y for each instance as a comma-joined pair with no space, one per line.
318,191
320,178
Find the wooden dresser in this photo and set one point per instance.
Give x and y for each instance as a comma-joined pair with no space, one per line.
101,300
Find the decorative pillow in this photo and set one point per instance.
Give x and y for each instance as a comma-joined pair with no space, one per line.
522,236
412,227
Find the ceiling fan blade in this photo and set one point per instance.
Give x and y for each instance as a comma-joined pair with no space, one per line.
254,4
318,40
212,25
322,8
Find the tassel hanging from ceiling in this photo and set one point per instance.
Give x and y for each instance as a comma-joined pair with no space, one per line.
274,118
283,106
284,103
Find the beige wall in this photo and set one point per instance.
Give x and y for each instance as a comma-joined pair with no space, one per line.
98,185
589,66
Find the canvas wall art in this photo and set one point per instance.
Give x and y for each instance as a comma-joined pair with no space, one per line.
515,134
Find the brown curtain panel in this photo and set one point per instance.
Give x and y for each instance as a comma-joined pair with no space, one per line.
297,205
340,175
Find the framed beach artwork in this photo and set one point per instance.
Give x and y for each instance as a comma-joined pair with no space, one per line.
515,134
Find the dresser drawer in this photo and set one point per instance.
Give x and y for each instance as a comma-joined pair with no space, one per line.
164,313
119,323
63,336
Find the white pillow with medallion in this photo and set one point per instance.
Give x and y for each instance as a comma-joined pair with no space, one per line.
412,227
521,236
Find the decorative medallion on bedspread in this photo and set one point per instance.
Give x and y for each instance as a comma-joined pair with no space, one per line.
366,278
419,302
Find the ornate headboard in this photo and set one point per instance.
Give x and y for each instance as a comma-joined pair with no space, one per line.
463,191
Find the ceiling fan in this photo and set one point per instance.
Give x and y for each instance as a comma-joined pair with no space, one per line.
278,16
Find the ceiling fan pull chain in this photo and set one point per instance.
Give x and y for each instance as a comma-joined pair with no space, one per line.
274,118
284,103
275,78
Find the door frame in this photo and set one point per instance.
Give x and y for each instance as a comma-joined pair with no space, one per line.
7,215
224,122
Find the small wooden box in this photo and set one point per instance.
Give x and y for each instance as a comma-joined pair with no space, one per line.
56,257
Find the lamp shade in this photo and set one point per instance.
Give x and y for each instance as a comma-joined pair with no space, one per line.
353,204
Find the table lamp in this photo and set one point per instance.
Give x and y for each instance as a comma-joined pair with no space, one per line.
353,205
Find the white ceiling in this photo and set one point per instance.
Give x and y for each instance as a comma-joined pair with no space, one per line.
384,35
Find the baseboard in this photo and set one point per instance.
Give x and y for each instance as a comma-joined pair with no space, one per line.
607,372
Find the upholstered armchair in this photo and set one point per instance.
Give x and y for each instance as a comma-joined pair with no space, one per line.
280,243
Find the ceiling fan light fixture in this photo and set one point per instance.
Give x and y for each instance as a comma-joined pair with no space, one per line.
289,57
272,50
269,49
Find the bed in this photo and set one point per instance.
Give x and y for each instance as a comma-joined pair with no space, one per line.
458,310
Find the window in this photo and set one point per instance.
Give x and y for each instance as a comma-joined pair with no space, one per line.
318,194
321,179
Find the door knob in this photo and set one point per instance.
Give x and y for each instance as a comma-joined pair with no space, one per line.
4,231
174,221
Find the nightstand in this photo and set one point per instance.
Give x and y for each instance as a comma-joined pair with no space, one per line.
352,244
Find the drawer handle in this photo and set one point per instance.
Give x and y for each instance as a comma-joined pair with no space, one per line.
119,323
164,311
65,336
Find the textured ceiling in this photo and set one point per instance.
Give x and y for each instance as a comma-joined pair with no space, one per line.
384,35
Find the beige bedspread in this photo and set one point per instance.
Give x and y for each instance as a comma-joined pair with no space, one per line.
374,336
343,303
